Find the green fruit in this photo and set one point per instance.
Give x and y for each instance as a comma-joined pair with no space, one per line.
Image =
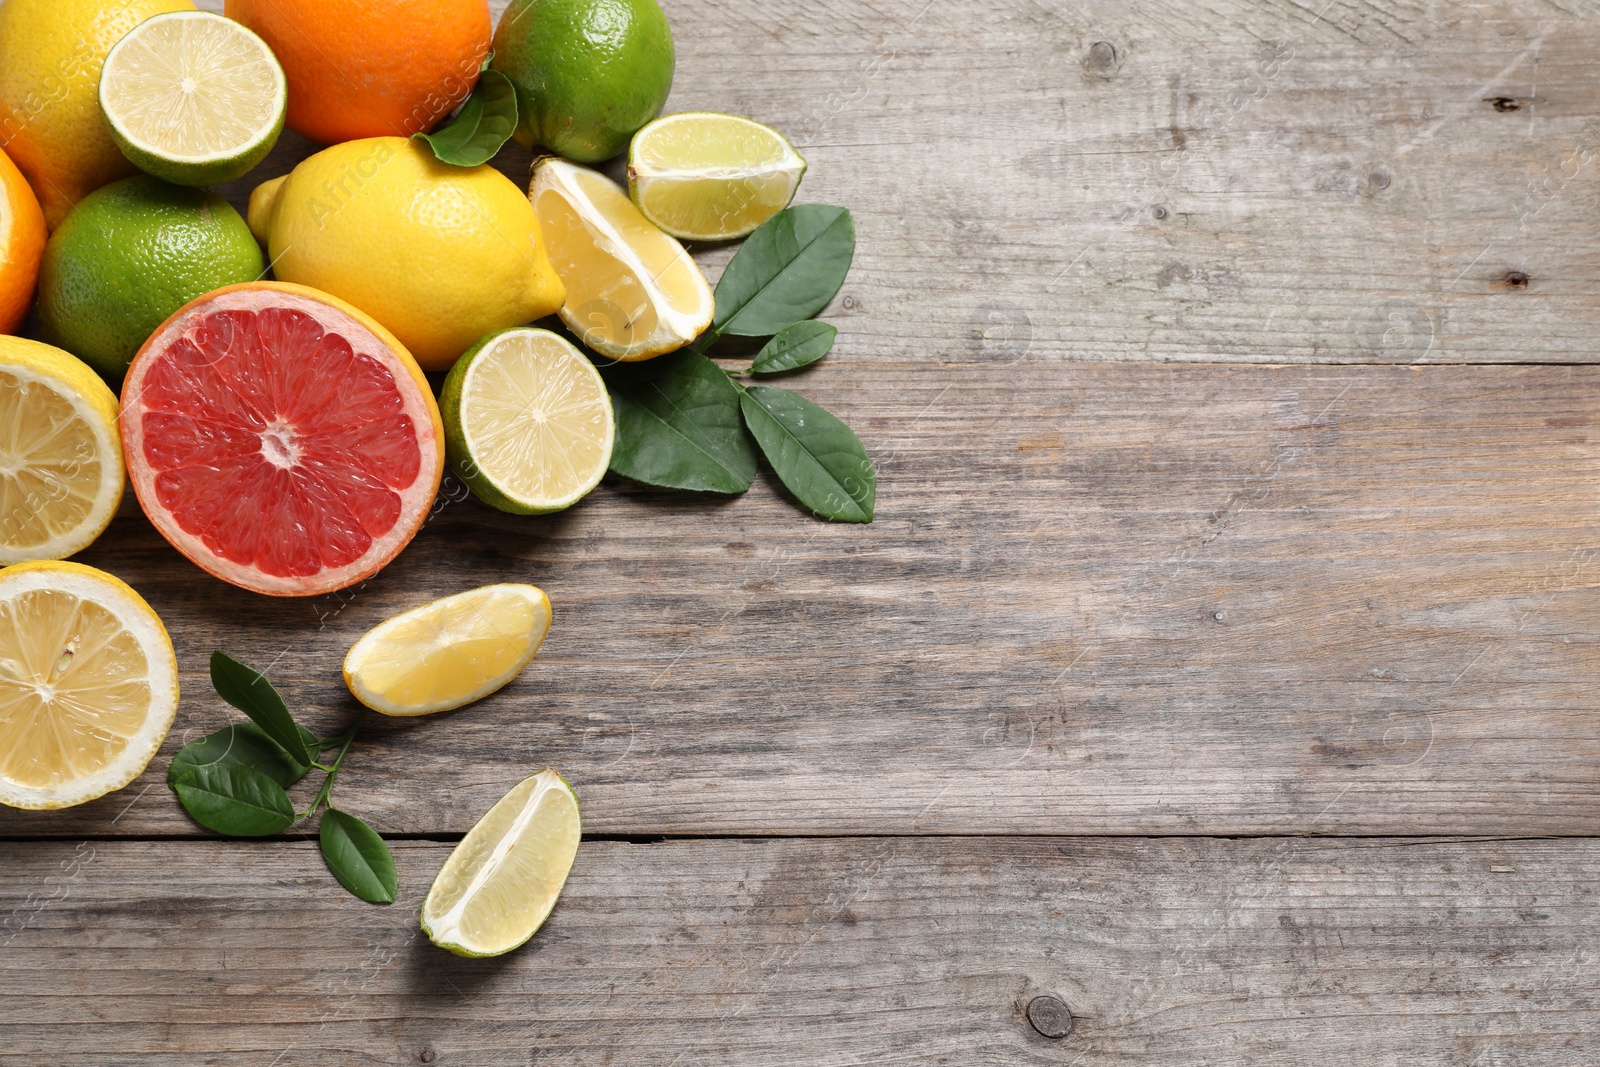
528,423
131,254
588,73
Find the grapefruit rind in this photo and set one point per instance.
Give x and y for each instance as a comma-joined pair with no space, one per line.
365,338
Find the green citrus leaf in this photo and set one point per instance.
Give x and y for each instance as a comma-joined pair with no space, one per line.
481,127
795,346
358,857
817,457
252,694
243,744
680,428
786,271
235,800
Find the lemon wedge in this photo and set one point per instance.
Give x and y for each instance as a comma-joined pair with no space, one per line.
499,885
450,652
632,291
61,474
707,177
88,684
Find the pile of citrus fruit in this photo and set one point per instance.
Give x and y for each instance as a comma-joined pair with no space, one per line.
262,380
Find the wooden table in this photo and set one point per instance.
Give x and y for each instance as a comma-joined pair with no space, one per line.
1222,661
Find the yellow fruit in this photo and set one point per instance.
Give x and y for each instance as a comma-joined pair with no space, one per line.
448,653
499,885
51,52
61,475
88,684
632,291
439,255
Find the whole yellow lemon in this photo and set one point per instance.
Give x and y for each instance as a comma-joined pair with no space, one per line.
440,255
51,52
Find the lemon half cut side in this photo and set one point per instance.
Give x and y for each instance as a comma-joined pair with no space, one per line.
88,684
61,470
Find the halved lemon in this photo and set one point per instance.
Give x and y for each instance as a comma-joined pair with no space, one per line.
88,684
450,652
708,177
632,291
193,97
527,422
61,473
499,885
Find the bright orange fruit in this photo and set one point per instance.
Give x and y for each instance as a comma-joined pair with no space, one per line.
22,238
362,69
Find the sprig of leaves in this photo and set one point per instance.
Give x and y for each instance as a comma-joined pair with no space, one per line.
236,781
684,423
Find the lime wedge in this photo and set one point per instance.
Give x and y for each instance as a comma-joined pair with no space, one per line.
498,886
193,97
450,652
706,177
527,421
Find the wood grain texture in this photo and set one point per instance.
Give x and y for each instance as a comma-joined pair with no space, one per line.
1297,953
1116,598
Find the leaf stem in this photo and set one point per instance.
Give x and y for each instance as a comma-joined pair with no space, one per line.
343,740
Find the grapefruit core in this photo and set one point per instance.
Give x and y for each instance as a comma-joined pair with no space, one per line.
280,439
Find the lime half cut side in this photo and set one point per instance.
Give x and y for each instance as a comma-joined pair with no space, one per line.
193,97
500,884
528,422
706,177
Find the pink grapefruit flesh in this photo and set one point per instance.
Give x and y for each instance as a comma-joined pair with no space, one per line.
280,440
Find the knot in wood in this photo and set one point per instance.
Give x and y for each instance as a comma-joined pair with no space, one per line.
1050,1016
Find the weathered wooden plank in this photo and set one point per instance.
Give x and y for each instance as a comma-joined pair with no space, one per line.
1281,181
1291,952
1112,598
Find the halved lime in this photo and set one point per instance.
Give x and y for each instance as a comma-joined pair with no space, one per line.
499,885
527,421
193,97
706,177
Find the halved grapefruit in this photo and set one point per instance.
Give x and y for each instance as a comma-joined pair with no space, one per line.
281,439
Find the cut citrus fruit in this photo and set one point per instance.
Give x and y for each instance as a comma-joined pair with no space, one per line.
706,177
632,291
193,97
499,885
88,684
527,422
280,439
450,652
60,460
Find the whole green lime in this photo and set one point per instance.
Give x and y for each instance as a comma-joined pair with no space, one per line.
589,73
131,254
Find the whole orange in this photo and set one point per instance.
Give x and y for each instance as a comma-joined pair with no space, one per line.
22,238
371,68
